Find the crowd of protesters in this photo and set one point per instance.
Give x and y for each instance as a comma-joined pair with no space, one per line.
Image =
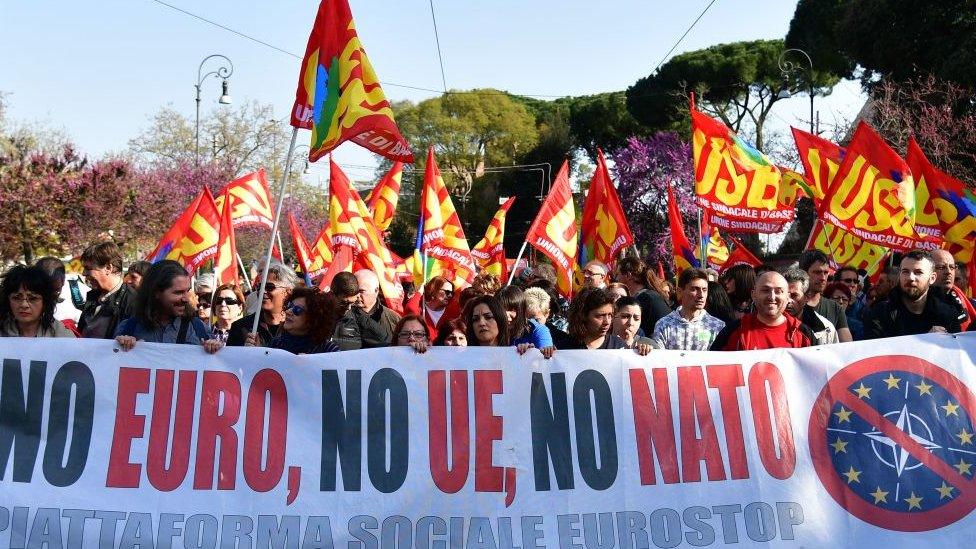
626,307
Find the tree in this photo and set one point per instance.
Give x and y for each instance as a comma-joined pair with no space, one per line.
902,39
244,139
602,121
736,83
941,116
643,170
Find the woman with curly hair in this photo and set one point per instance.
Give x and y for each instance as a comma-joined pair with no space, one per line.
27,309
310,320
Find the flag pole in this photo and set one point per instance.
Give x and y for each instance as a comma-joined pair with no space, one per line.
702,259
274,228
240,263
518,258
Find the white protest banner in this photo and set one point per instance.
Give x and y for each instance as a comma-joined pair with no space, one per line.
864,444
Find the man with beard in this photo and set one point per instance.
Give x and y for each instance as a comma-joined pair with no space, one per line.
913,308
162,312
767,327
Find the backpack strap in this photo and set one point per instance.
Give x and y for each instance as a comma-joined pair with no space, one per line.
181,335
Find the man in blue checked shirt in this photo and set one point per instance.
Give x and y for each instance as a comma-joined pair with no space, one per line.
689,327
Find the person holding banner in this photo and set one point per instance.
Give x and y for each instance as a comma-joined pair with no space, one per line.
228,307
411,331
162,312
913,307
590,320
524,329
310,320
28,302
281,280
689,327
768,327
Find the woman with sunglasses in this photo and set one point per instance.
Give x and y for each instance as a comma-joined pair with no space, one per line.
228,306
411,331
310,319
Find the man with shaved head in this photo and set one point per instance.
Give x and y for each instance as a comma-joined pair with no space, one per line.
945,278
767,327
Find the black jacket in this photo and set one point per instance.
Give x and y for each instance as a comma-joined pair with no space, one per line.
242,326
118,308
357,330
653,308
890,318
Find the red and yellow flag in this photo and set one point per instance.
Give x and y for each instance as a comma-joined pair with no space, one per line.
604,225
193,237
873,193
941,214
321,255
353,231
298,242
225,264
339,96
250,200
740,256
554,231
490,252
846,249
382,200
684,252
734,180
443,240
821,160
716,250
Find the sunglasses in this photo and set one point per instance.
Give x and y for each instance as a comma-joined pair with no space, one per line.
203,305
296,310
226,301
269,287
419,334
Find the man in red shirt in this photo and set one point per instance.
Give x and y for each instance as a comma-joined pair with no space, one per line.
768,327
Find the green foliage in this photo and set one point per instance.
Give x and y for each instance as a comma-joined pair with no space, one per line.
603,121
736,83
900,39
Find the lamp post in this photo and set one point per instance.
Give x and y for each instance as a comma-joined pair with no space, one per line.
222,72
789,68
301,153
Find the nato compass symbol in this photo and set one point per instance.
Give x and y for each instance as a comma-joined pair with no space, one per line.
893,442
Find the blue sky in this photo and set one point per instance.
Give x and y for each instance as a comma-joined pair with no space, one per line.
99,70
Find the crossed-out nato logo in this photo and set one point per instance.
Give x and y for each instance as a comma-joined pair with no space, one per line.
892,440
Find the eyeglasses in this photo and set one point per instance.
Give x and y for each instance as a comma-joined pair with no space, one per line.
226,301
29,298
591,274
419,334
447,293
296,310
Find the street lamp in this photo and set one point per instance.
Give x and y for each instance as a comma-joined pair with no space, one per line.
223,72
789,68
300,153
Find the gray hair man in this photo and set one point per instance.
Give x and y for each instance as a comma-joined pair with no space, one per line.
281,281
369,300
798,286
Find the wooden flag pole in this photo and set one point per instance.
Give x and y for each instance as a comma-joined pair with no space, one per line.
518,258
274,228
